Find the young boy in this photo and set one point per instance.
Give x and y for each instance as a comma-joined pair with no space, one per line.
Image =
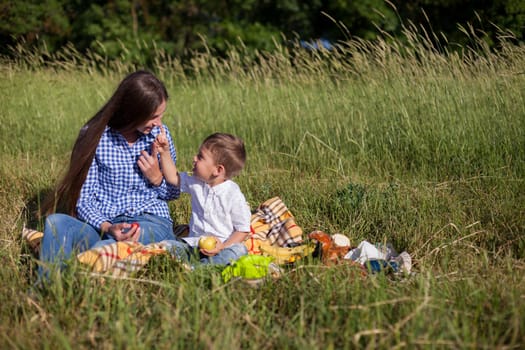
219,208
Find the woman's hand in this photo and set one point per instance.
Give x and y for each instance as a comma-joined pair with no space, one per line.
149,165
124,232
212,252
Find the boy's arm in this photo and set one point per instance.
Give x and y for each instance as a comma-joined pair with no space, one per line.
241,216
169,169
235,237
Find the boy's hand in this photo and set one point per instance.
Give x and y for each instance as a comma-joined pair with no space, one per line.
212,252
161,143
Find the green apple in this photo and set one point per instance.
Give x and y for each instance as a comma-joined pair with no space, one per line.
207,242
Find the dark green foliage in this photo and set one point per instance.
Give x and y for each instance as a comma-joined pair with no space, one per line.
130,31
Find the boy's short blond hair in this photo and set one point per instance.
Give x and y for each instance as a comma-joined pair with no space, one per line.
227,150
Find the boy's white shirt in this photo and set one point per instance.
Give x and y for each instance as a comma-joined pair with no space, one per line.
215,211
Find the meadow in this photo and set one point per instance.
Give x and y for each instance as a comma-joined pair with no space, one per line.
392,141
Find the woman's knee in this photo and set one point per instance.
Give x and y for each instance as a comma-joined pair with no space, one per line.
57,219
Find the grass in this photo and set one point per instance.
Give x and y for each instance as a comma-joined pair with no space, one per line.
391,141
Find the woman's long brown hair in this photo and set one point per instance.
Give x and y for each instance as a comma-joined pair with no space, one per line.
134,102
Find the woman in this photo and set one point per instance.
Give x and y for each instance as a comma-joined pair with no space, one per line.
114,178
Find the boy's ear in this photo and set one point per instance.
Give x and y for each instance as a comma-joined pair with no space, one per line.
220,170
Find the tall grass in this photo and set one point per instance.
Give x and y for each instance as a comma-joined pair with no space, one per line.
395,140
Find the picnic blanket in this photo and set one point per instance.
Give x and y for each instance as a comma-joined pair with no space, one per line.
273,224
274,232
121,258
33,238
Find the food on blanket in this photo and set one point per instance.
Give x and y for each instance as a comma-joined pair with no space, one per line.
330,252
207,242
340,240
284,255
133,225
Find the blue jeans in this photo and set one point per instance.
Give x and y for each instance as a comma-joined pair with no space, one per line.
153,229
65,236
182,250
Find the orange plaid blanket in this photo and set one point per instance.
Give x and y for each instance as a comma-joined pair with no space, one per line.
120,258
273,224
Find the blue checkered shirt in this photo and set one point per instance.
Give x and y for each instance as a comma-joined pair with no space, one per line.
115,184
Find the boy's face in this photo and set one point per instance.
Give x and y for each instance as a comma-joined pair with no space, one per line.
204,166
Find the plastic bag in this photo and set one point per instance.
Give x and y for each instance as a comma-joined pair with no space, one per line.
250,267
